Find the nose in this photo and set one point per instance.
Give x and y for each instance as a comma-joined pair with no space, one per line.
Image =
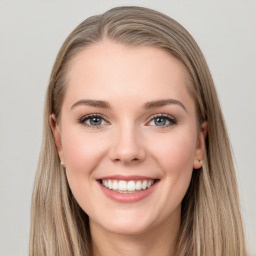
127,146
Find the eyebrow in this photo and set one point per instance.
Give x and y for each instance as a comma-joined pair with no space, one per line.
148,105
92,103
161,103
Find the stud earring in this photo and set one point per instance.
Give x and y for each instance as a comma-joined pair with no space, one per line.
201,162
63,165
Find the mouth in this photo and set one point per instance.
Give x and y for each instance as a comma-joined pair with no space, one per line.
128,186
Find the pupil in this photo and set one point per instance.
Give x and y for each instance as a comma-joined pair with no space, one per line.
95,121
160,121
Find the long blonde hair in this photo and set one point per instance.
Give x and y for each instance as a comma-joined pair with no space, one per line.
210,220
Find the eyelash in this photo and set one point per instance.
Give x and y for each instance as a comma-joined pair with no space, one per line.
169,118
83,120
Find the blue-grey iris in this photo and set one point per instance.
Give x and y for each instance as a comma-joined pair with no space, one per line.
95,121
159,121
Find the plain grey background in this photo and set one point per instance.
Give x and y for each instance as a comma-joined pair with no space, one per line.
31,33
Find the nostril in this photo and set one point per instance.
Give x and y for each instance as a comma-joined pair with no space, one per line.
127,159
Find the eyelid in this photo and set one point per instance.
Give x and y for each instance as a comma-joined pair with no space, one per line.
82,120
171,119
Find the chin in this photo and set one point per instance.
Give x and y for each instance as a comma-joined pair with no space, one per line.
127,228
125,223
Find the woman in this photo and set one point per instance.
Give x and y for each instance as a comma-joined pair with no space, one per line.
135,158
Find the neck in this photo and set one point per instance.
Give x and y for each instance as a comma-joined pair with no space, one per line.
157,241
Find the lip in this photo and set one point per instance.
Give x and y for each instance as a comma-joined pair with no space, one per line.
127,197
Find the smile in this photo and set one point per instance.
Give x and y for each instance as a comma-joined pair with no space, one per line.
129,186
127,189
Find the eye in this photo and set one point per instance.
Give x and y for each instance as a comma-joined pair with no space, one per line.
93,120
162,120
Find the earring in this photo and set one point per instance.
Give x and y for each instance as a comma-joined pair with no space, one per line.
63,165
201,162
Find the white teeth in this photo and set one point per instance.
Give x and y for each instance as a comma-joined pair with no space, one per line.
110,184
150,183
144,184
122,185
115,185
131,185
138,185
127,186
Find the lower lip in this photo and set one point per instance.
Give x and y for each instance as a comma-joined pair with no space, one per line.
128,197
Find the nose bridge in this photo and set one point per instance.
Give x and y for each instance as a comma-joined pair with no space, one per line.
127,143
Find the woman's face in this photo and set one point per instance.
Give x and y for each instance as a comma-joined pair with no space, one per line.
128,136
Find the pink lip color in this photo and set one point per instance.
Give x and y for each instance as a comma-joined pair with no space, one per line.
127,197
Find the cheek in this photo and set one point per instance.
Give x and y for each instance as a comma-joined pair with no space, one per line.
175,156
175,153
81,151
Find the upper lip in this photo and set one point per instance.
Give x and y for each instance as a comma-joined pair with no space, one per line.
126,177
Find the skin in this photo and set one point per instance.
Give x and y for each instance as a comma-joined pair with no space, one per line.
128,142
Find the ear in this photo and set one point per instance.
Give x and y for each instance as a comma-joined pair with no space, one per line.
57,136
200,149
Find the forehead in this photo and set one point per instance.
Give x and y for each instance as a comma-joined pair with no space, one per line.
115,71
